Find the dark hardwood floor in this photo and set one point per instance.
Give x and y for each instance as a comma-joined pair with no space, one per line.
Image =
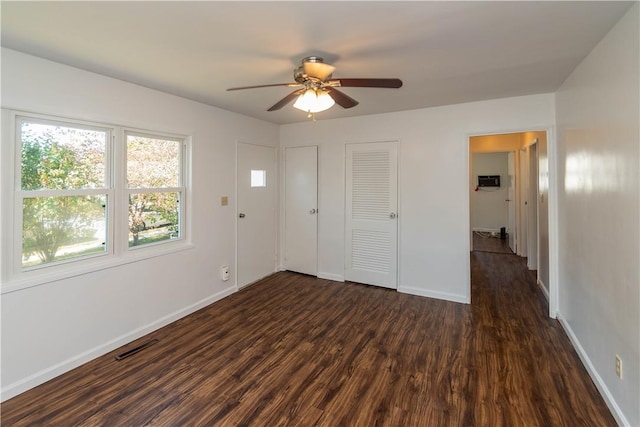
300,351
483,242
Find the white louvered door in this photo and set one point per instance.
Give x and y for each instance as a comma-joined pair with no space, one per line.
371,232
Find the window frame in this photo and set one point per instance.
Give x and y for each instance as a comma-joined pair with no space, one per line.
13,276
180,189
263,179
20,194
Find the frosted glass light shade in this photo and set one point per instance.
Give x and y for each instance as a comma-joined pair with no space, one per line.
313,101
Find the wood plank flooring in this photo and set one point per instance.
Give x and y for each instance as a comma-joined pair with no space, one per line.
293,350
484,243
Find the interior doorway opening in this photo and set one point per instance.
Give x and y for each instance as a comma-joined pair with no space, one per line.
509,213
491,204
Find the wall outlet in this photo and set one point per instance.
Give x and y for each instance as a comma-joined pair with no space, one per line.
224,273
618,366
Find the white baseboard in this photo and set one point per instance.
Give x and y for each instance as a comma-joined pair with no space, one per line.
544,289
51,372
597,380
331,276
434,294
486,230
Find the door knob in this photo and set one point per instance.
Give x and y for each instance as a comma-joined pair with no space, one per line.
392,215
241,215
312,211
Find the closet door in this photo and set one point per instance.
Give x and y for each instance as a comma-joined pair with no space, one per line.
371,235
301,210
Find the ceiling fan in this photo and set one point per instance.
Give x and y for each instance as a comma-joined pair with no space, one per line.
317,89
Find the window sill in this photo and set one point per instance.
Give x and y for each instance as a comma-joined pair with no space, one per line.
37,278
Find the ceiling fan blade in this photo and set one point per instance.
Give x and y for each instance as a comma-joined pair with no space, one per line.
318,70
272,85
287,99
387,83
342,99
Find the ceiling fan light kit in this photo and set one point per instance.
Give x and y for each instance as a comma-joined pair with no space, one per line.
318,92
314,101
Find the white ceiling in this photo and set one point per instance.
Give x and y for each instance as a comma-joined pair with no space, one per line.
445,52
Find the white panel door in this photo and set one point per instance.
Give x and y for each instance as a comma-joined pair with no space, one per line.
522,175
371,226
301,210
511,200
532,251
256,213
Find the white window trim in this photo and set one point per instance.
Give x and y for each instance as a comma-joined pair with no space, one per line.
14,277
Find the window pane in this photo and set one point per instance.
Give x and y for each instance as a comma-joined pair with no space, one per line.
58,228
153,217
58,157
152,162
258,178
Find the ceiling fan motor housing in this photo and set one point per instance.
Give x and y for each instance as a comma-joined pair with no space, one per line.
303,75
312,59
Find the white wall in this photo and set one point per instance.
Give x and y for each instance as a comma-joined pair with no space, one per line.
51,328
434,183
598,111
489,210
543,212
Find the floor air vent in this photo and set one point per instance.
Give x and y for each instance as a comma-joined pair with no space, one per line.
136,349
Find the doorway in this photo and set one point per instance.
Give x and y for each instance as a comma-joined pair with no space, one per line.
256,221
491,201
526,197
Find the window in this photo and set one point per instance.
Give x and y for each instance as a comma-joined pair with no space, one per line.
63,191
77,183
154,188
258,178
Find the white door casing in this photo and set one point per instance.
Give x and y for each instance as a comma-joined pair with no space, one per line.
256,218
371,223
301,210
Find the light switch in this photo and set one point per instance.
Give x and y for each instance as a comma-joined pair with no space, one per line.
224,201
